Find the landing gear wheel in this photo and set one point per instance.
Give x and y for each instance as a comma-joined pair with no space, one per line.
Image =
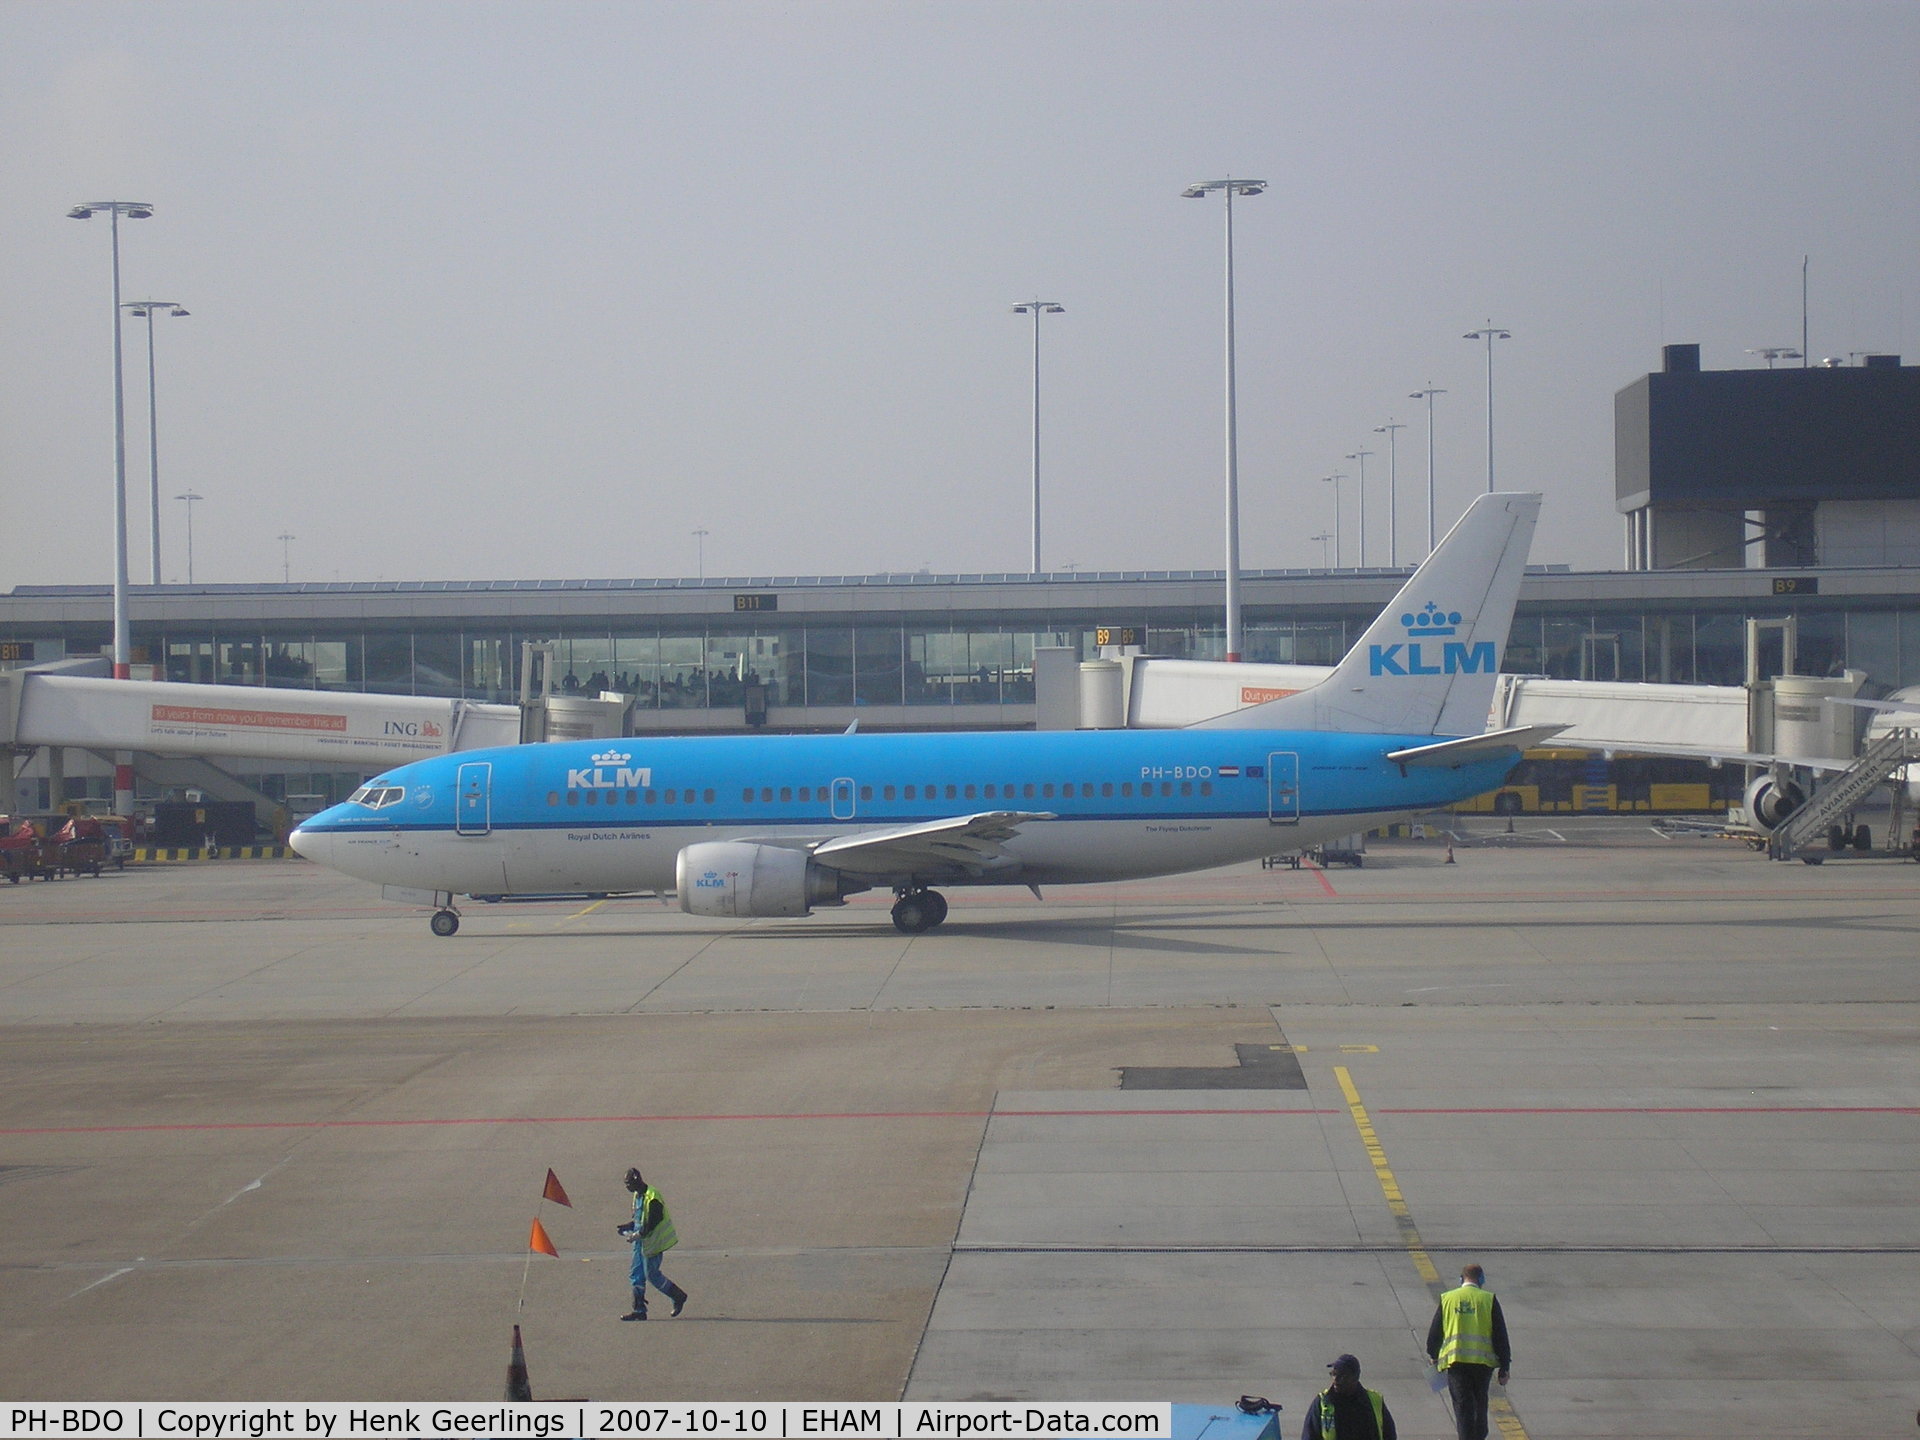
1863,838
915,913
444,923
939,903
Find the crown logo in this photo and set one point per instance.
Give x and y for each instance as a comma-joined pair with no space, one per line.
612,757
1431,621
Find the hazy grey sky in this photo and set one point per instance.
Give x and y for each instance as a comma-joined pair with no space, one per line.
536,290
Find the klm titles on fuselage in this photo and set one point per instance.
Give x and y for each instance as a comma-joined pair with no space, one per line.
1455,657
611,771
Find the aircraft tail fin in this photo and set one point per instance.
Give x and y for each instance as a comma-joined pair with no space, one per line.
1427,665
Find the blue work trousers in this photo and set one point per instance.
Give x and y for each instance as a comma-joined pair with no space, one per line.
647,1267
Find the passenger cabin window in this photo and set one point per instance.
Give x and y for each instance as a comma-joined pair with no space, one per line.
886,792
672,795
1106,789
706,795
573,797
951,793
969,792
553,797
652,797
1126,789
766,794
786,793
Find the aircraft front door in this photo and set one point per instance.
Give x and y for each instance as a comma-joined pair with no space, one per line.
843,799
1283,788
473,799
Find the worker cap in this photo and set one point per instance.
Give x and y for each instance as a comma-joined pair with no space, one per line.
1344,1365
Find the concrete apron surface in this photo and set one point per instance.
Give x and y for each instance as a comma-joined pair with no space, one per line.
262,1137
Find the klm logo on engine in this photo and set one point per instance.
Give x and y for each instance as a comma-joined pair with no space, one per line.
1426,651
611,771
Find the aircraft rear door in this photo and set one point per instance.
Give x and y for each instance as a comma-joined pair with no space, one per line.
1283,788
473,799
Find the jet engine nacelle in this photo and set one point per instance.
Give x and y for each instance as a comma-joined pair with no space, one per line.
735,879
1770,800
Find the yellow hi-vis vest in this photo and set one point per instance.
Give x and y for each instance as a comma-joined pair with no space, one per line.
1325,1403
661,1238
1466,1327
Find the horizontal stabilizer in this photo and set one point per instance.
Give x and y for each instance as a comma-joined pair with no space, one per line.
1451,754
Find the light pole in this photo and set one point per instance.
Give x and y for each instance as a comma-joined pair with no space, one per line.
1361,456
1338,541
1037,308
286,556
1199,192
1489,333
1323,537
1392,432
1427,395
122,645
1771,353
189,497
700,554
122,638
144,310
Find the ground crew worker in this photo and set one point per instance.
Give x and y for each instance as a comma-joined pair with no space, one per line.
1346,1409
1467,1339
651,1231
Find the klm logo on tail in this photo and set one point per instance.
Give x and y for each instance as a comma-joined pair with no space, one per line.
1420,655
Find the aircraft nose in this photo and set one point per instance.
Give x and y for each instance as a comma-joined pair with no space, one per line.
312,845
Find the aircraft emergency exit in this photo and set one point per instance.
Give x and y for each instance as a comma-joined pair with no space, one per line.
744,826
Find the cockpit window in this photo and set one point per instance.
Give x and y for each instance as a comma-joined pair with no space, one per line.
376,796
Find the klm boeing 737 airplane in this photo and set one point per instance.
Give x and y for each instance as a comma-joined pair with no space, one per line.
744,826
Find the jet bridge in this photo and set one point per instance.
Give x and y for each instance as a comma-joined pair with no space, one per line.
161,723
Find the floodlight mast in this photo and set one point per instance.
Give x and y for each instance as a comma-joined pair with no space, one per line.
1489,333
1392,432
1361,456
146,310
122,638
1199,191
1427,395
1037,308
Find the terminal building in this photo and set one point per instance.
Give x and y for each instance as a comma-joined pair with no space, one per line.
1746,494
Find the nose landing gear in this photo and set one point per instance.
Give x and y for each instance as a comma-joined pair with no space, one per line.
917,911
444,922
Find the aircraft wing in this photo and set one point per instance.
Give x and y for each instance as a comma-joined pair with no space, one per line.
1449,754
959,845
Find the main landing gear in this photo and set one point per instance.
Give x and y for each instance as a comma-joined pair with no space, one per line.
444,922
918,910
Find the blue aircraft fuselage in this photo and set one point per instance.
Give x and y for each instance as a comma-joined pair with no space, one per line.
598,815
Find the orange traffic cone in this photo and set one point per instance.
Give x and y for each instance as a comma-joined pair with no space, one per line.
518,1386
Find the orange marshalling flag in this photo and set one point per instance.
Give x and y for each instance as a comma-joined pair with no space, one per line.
555,1191
541,1241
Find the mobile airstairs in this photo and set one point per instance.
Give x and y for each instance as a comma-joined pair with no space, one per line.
1844,792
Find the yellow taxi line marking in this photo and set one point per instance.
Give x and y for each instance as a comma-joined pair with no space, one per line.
1498,1409
588,911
